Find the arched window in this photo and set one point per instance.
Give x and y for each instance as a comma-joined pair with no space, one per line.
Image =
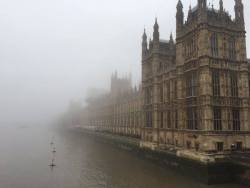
217,119
214,45
231,48
234,84
216,82
191,85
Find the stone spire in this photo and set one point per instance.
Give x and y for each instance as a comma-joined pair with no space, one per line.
144,43
190,9
144,37
179,17
202,4
221,6
239,13
171,40
156,34
202,11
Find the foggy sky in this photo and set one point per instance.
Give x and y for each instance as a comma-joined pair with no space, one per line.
52,51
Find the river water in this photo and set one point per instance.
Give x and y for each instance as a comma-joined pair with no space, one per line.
81,162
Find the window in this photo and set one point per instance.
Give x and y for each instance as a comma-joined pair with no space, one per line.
189,144
161,120
148,95
220,146
192,122
148,119
217,119
191,85
175,89
234,84
168,91
169,120
231,49
214,45
236,119
216,82
238,146
161,93
176,119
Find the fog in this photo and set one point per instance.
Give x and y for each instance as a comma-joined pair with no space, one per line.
53,51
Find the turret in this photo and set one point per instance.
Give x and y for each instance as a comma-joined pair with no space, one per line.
171,41
239,13
156,35
202,4
179,17
202,11
221,6
144,44
150,44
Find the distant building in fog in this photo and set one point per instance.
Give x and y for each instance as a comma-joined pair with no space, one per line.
195,91
118,111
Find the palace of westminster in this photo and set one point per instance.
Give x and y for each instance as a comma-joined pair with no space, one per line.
195,90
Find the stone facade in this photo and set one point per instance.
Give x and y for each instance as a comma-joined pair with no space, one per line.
118,111
195,90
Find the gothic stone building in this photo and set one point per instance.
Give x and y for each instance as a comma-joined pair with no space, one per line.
196,89
118,111
194,94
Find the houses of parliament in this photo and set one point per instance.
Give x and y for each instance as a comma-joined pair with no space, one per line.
195,90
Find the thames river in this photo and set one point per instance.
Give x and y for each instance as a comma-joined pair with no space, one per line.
81,162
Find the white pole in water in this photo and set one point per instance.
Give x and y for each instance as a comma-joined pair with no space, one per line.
53,152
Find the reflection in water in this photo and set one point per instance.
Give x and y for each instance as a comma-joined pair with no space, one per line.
81,162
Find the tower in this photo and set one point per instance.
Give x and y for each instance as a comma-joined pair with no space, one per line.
179,17
144,44
221,6
239,13
156,35
202,11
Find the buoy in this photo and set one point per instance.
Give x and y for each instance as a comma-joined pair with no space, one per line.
52,163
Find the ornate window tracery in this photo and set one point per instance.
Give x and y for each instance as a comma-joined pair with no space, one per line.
216,82
214,45
234,84
236,119
231,49
191,85
217,119
192,119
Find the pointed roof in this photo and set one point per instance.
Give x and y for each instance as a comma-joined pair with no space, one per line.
156,25
179,5
144,35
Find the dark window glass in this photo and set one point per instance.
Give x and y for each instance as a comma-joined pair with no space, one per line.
169,120
161,119
176,119
231,49
216,82
236,119
214,45
217,119
191,85
192,122
234,84
220,146
148,119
